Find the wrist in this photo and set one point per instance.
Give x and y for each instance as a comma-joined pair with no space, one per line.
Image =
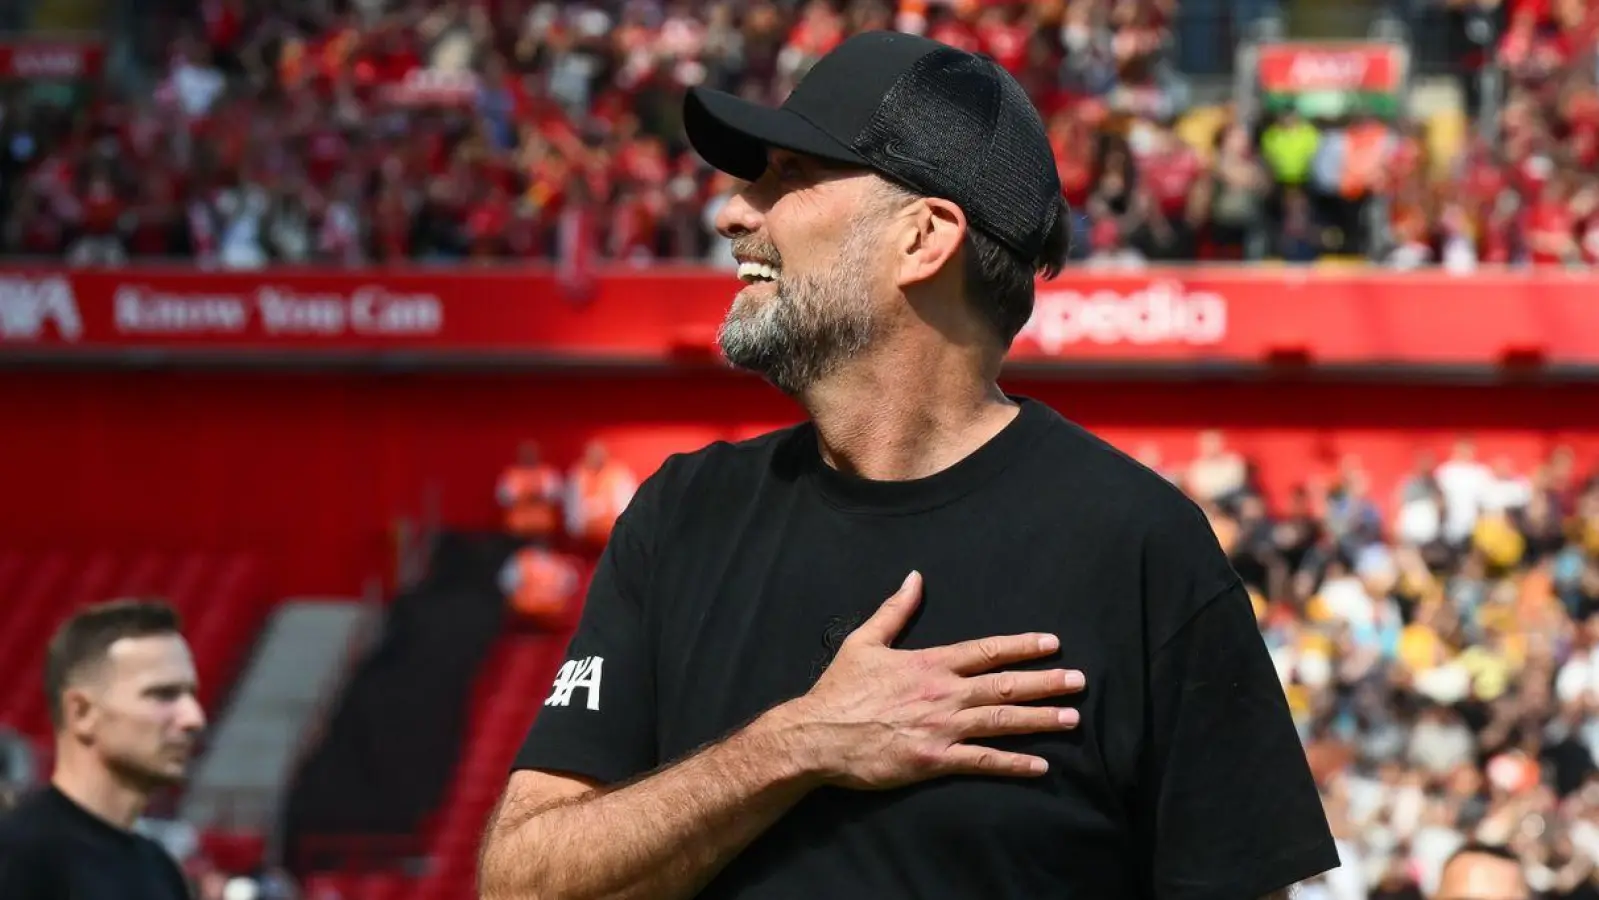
787,741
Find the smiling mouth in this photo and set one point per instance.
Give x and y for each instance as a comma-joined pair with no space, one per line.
751,272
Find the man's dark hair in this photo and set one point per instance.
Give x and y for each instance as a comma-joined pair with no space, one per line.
1480,848
85,639
1003,282
999,279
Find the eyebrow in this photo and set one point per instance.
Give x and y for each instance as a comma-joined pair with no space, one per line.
815,163
161,687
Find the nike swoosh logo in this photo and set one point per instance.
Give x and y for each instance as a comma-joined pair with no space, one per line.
893,151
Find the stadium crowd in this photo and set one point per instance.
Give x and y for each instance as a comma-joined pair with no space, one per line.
1439,646
368,131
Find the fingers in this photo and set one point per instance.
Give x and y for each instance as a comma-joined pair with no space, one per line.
983,654
997,721
890,618
1020,687
965,759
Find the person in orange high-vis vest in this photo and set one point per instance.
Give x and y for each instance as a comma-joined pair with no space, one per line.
599,489
541,586
1369,144
530,493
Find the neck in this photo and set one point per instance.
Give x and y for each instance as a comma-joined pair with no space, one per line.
92,786
897,417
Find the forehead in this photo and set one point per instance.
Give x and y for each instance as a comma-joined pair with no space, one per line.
150,659
1480,875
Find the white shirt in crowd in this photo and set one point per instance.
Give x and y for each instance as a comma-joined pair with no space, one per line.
1419,522
1465,485
1506,493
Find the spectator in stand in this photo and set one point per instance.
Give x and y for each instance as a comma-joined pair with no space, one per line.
1464,483
1288,145
1233,197
530,492
541,586
599,488
1216,474
1551,227
1299,238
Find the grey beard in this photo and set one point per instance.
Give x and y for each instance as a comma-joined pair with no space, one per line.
803,334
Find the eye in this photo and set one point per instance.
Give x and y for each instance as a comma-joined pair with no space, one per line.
788,170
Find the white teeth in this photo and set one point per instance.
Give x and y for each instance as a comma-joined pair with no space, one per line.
751,272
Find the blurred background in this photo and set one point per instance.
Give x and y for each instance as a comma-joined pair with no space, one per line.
349,326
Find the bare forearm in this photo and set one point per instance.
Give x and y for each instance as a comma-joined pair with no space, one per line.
662,837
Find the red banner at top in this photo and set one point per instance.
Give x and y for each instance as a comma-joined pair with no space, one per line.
1181,316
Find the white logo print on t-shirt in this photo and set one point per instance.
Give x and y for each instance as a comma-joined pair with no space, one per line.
577,673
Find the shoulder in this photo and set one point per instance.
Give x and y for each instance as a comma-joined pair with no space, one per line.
716,473
155,850
1137,518
29,835
1117,491
28,823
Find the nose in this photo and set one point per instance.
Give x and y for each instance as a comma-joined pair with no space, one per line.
738,216
191,716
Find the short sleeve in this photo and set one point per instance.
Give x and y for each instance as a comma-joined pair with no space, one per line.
598,717
1226,792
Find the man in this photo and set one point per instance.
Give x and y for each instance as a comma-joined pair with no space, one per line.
743,716
121,689
1483,872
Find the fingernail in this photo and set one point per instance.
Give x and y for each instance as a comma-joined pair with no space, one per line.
1048,643
908,579
1038,766
1074,679
1069,716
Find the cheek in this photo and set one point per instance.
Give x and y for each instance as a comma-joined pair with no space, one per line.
133,726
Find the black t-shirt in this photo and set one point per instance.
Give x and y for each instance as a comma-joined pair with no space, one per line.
53,849
736,570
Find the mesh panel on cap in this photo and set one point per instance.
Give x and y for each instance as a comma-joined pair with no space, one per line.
958,127
1021,170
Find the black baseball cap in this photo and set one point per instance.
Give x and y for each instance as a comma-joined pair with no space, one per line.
941,121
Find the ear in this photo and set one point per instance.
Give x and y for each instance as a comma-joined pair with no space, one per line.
931,240
79,712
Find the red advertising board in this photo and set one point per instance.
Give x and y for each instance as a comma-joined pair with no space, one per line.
1179,316
1332,78
1295,68
47,59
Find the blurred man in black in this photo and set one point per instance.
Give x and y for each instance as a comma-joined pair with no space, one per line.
121,689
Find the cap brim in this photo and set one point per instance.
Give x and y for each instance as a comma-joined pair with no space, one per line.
733,134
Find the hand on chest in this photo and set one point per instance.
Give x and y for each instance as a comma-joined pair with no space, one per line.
766,632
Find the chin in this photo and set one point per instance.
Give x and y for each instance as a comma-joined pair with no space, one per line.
159,774
176,771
